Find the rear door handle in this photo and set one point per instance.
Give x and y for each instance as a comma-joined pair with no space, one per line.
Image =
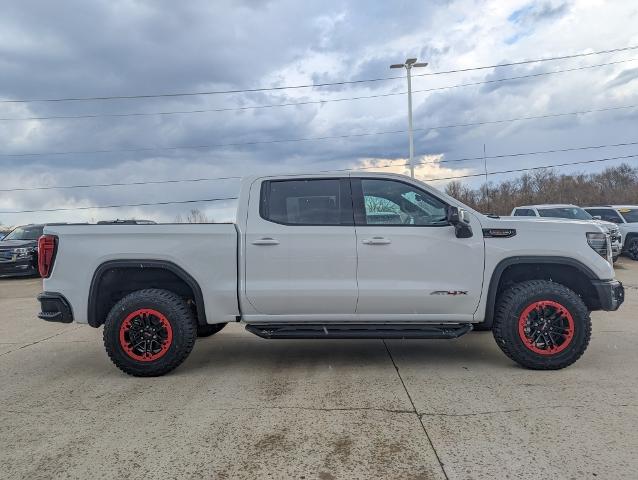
266,241
376,241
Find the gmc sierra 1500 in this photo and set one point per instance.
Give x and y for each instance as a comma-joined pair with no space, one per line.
333,256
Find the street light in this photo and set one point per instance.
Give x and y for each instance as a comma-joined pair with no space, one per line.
409,64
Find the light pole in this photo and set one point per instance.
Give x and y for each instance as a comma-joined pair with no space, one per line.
408,65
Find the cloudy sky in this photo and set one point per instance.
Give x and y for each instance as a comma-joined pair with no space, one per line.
57,50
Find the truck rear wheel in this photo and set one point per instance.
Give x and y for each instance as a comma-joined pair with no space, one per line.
149,332
542,325
209,329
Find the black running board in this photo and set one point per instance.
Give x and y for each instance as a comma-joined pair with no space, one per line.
360,330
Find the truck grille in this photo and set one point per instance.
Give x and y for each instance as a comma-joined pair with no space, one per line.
614,233
6,255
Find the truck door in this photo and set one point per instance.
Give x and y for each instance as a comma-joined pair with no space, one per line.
409,259
300,248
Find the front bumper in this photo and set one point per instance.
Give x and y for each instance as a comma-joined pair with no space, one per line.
611,294
18,267
616,248
55,308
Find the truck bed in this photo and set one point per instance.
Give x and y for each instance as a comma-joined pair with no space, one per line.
207,251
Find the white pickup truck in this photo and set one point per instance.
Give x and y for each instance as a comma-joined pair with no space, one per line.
332,256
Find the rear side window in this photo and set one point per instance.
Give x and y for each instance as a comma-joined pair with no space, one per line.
524,212
307,202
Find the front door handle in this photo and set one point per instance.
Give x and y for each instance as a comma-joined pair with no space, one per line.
376,241
266,241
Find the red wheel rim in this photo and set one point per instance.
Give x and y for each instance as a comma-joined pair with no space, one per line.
546,327
146,335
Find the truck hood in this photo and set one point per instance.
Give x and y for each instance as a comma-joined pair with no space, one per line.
547,237
18,243
543,223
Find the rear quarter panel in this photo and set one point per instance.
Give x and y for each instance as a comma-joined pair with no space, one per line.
208,252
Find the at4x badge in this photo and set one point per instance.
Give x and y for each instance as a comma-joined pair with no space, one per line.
449,292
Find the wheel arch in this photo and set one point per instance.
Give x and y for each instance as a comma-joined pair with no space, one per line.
103,293
521,268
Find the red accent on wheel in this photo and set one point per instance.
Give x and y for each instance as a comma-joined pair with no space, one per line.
546,327
146,335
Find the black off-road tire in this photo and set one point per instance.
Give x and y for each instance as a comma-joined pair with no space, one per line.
176,317
510,309
209,329
632,249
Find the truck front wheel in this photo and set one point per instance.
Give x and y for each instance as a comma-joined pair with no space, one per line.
632,249
149,332
542,325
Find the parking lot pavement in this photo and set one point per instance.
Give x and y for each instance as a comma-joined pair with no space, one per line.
244,407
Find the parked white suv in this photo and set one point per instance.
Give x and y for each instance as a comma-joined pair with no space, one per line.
573,212
626,217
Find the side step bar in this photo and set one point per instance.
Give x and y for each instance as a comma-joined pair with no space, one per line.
360,330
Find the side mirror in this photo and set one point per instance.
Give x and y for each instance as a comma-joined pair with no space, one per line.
460,219
597,217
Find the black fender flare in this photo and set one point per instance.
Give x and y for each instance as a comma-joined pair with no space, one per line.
143,263
507,262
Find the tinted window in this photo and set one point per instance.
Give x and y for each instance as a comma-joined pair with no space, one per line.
388,202
573,213
606,214
629,214
306,202
524,212
25,233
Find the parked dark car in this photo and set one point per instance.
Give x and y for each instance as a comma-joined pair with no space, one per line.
19,251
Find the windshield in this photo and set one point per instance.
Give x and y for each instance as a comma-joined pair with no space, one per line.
629,214
573,213
25,233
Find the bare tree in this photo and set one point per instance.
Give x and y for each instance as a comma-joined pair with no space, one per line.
614,185
194,216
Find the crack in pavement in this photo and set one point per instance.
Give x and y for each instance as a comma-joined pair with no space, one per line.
514,410
414,410
31,411
219,409
41,340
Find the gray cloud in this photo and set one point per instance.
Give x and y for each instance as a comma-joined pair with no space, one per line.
120,48
624,77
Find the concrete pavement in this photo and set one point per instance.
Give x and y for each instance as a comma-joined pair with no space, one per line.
244,407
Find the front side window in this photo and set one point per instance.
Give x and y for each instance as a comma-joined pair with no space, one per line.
306,202
390,202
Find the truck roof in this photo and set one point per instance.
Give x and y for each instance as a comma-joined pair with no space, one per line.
549,205
331,174
612,206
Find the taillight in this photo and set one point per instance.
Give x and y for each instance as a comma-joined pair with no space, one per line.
47,246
